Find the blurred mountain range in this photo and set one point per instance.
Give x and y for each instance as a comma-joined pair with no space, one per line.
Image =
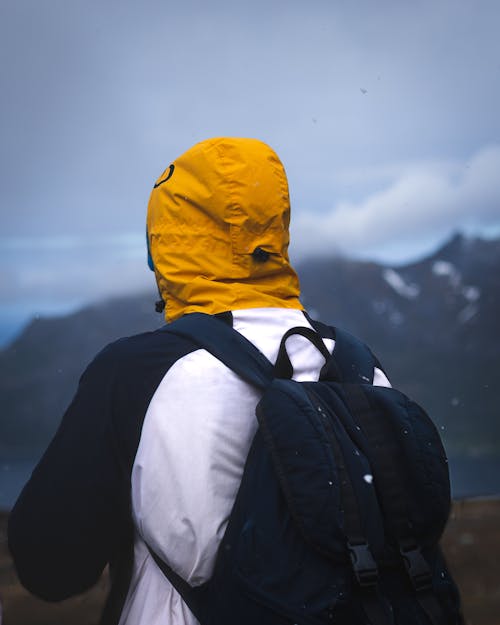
434,324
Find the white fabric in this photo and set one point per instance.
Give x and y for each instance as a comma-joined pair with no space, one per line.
194,442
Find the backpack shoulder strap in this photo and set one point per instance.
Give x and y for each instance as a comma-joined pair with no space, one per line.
353,358
227,345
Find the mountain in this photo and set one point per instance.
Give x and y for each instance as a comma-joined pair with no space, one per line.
39,372
433,324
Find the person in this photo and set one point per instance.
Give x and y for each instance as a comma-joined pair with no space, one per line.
151,451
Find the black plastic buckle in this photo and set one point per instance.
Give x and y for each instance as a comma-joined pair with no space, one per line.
363,564
417,568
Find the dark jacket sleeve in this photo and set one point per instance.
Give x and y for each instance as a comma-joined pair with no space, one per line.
73,513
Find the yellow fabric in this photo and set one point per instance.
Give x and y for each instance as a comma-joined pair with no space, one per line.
222,199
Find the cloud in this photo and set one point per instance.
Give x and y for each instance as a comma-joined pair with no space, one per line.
99,97
373,108
57,274
420,205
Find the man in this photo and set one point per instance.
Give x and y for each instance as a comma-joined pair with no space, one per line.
152,448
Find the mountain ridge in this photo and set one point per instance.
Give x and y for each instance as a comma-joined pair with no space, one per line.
433,323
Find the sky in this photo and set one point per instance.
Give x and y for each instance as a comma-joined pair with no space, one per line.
385,115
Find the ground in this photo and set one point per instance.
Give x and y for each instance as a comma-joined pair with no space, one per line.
472,547
471,544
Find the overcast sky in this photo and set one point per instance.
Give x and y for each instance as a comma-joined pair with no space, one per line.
385,115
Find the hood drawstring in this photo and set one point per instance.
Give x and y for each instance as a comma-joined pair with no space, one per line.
159,306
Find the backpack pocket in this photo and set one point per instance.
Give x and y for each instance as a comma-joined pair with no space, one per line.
410,468
274,566
289,579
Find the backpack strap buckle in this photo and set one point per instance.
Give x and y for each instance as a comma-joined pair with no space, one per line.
364,566
417,568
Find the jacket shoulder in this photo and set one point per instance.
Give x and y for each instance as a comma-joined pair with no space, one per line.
127,355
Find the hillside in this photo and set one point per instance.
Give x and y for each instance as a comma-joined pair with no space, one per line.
39,372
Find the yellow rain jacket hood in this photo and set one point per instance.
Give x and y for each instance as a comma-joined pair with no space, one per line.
217,227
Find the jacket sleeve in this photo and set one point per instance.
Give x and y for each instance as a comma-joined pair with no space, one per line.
73,513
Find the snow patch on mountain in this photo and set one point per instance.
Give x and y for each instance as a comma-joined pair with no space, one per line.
379,307
387,309
446,269
467,313
398,283
396,318
471,293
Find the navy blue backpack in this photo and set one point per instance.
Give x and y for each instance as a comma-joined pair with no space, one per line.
344,497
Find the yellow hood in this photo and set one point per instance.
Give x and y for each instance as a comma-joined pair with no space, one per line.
207,214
